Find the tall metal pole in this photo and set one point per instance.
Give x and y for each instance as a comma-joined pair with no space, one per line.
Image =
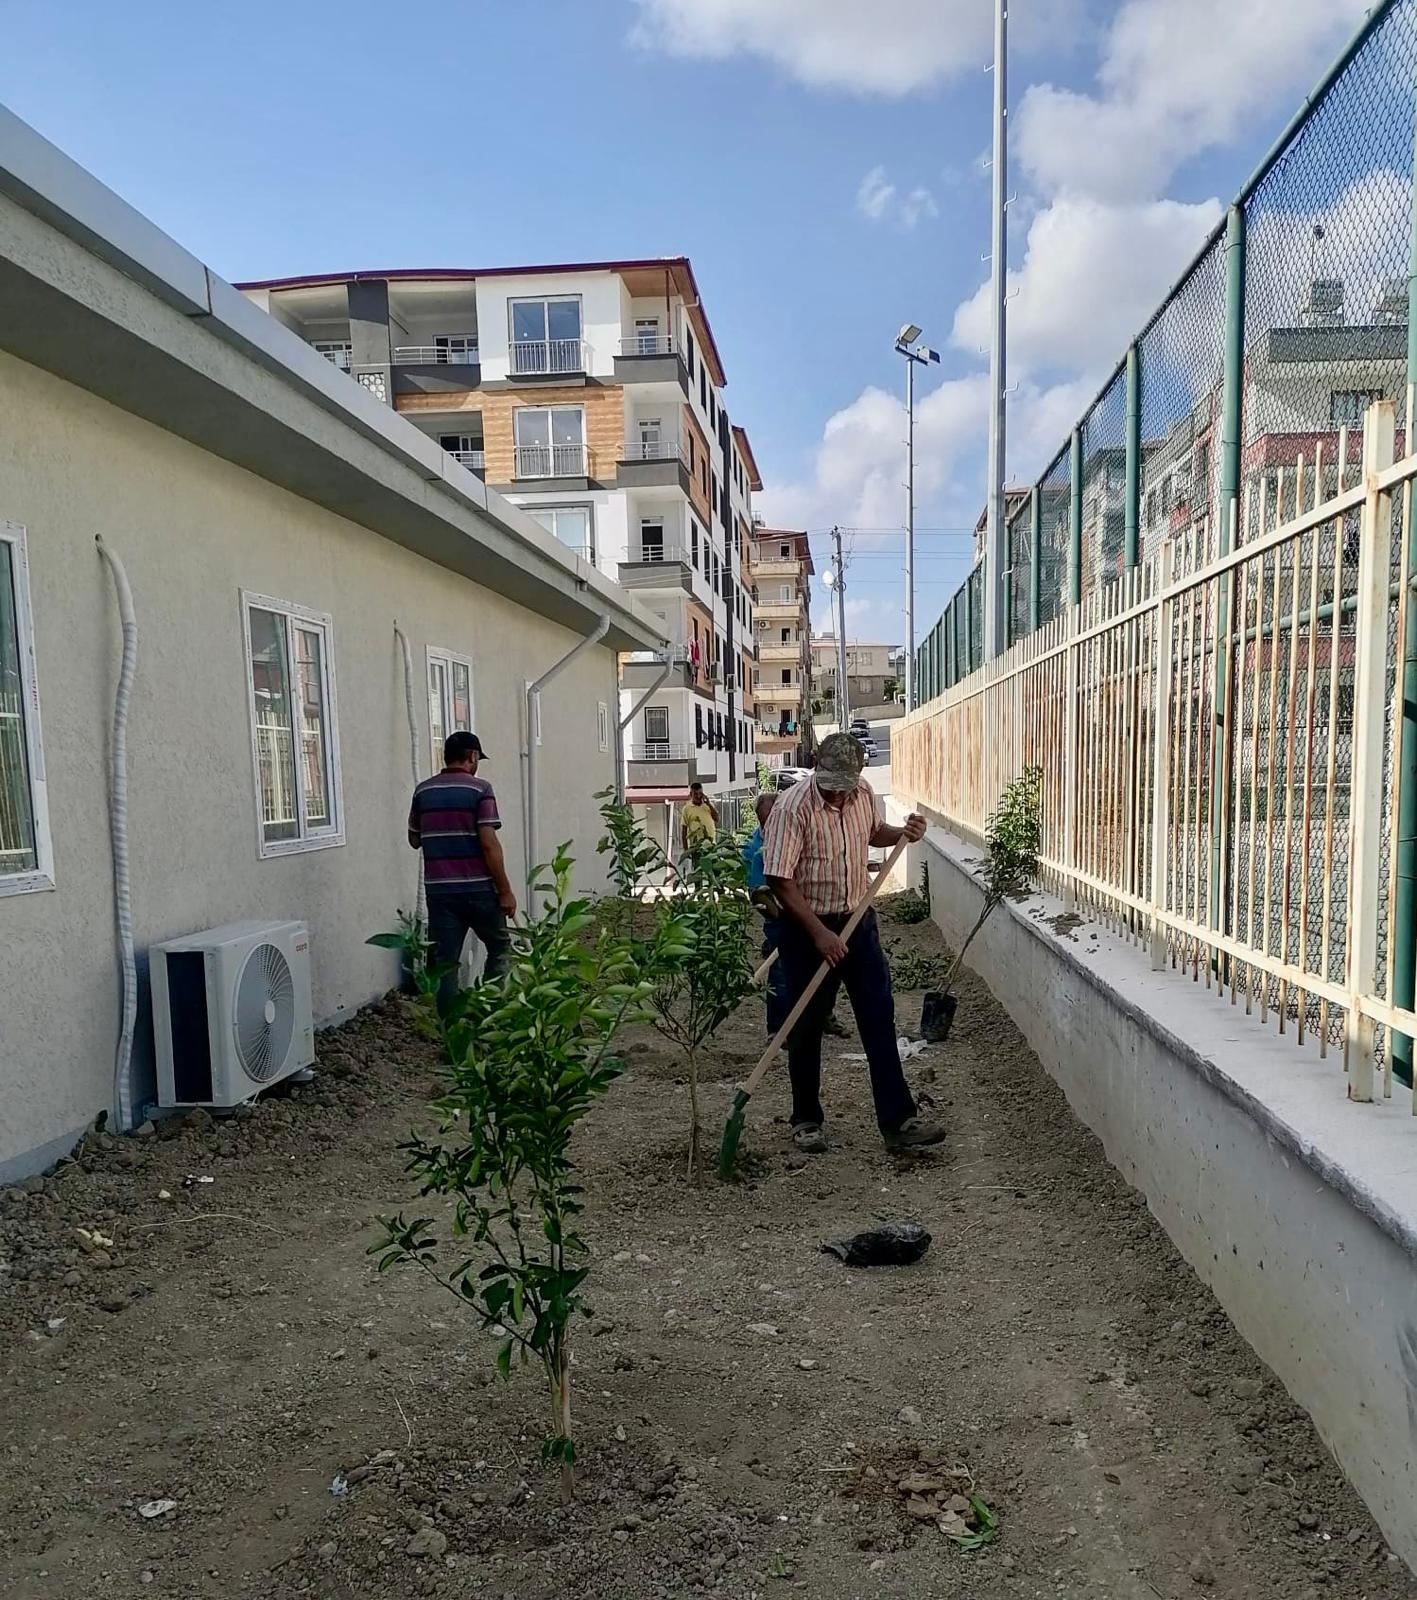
843,702
995,598
910,533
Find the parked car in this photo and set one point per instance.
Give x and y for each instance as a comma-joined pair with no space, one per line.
787,776
860,727
868,744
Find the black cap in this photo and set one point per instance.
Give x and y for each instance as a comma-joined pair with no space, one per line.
459,746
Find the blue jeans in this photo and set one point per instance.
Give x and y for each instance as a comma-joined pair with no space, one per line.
451,918
867,979
778,1005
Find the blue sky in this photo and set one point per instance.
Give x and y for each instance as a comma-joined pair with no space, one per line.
818,160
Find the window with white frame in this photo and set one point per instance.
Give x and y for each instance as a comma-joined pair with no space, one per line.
550,441
570,524
546,334
25,858
294,731
602,718
449,700
656,725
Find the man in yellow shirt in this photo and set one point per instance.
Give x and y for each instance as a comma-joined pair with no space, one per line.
698,821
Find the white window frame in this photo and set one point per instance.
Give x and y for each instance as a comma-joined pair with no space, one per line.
41,875
658,711
602,723
325,838
447,659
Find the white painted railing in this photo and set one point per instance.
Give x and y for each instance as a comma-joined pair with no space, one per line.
1219,753
648,344
551,461
658,447
475,459
534,357
455,352
650,554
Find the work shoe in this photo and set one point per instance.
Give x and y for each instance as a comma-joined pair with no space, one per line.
809,1138
913,1134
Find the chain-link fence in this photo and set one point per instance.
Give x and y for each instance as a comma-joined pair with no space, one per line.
1310,274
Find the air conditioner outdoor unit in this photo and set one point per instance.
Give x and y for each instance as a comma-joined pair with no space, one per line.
231,1011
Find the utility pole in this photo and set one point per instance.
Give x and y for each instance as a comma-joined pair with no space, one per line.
843,704
995,595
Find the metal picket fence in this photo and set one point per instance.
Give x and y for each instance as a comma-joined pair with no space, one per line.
1218,754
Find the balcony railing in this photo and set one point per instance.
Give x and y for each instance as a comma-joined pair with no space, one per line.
669,554
551,461
661,447
648,344
475,459
336,353
437,355
659,752
534,357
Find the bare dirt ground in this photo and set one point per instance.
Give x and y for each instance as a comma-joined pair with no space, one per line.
748,1407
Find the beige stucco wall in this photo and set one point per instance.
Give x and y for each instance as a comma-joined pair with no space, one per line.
193,531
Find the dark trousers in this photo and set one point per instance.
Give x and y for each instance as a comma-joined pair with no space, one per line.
451,917
867,979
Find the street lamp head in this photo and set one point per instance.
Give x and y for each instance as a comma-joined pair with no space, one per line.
907,335
829,578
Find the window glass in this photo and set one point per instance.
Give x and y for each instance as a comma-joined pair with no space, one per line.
528,320
293,719
563,319
656,724
18,844
275,750
462,697
438,710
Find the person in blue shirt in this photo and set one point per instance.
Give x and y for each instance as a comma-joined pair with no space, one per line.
766,902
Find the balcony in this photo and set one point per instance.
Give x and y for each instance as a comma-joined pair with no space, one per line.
779,652
658,566
473,460
450,352
642,669
664,766
546,358
550,461
777,567
338,352
777,610
654,461
778,694
650,358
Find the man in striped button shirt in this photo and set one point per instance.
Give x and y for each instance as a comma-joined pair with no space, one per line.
814,857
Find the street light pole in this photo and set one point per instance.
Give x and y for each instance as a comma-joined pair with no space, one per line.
843,704
905,344
910,536
994,596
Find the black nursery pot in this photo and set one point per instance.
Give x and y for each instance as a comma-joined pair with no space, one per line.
937,1016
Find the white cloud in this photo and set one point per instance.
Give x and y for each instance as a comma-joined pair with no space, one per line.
1091,274
891,47
1176,77
878,200
858,475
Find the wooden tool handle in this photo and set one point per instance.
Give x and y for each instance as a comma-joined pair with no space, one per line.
794,1016
763,970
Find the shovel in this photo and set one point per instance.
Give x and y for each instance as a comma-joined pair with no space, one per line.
733,1128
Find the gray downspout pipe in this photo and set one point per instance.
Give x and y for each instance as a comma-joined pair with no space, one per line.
596,634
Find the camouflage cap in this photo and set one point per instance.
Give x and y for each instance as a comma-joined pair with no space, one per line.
840,759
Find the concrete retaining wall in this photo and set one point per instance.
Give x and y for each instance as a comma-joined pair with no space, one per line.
1297,1208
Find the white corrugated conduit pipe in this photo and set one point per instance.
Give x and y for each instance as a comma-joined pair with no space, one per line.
420,904
118,828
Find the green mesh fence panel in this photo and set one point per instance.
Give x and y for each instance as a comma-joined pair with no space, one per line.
1182,368
1020,564
1326,275
1055,536
976,618
1104,485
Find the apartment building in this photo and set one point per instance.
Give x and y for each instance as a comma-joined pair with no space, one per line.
318,592
781,568
871,678
591,395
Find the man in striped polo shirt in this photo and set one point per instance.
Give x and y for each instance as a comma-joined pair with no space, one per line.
454,821
814,856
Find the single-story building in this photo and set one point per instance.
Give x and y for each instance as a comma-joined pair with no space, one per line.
284,536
